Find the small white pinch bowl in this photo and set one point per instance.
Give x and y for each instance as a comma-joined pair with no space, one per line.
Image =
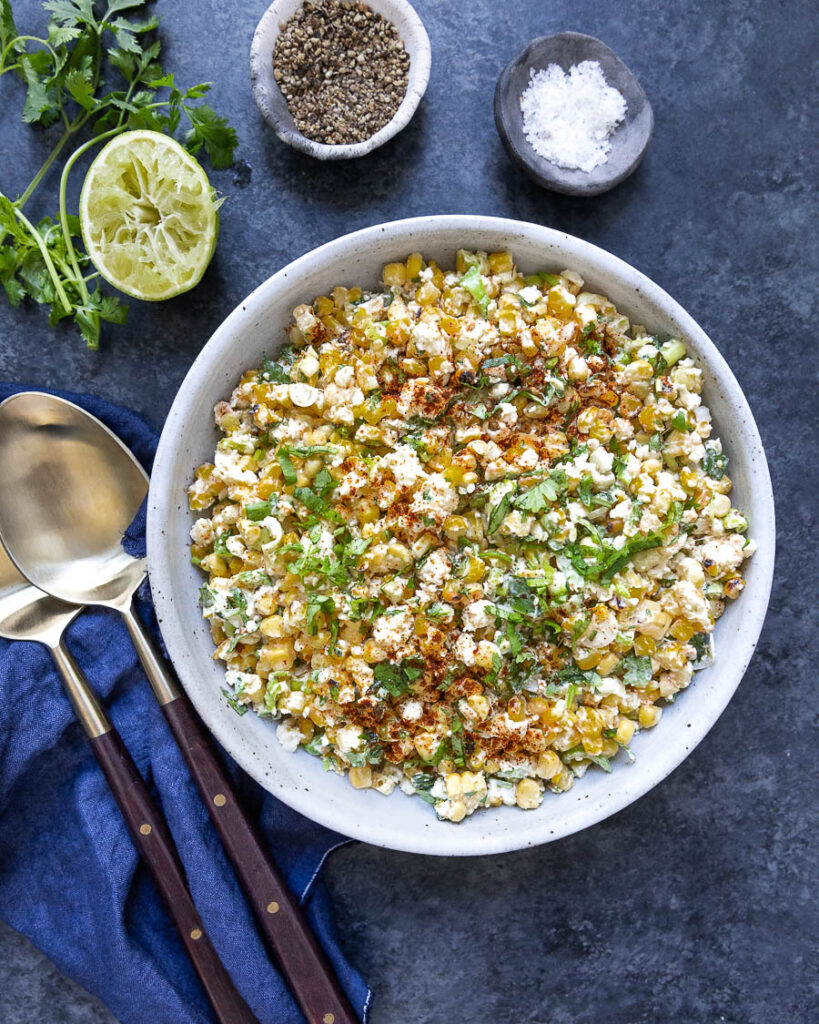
273,106
257,328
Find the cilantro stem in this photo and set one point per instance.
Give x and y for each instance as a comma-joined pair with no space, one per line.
35,234
69,245
38,177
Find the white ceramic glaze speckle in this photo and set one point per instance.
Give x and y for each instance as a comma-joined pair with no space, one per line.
256,328
273,105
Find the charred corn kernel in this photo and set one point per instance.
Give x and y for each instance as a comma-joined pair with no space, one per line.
273,626
528,794
501,262
474,569
587,659
229,422
734,587
593,745
215,565
560,302
507,324
450,324
439,364
306,728
426,743
682,629
644,645
648,716
587,419
427,294
485,656
280,655
394,275
415,262
516,709
367,512
456,811
652,620
589,721
601,432
625,731
361,778
541,708
455,526
548,765
607,664
413,367
650,418
563,781
479,705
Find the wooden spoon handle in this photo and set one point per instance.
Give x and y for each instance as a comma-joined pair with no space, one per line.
153,840
280,918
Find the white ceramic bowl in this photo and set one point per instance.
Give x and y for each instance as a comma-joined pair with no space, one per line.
273,106
254,329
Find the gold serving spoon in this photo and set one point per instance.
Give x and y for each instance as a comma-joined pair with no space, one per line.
26,613
71,490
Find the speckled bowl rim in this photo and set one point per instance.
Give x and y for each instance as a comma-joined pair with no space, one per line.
399,822
273,106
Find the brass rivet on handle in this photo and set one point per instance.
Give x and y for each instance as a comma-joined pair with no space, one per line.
145,829
220,799
328,1018
196,933
273,908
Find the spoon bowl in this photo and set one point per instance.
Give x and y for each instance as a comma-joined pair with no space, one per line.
86,487
26,613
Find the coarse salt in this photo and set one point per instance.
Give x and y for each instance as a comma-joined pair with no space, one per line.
568,118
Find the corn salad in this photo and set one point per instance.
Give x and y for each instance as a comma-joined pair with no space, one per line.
467,533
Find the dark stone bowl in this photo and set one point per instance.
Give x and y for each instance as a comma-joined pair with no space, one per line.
629,141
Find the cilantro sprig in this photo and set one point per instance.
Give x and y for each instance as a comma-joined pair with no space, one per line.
95,69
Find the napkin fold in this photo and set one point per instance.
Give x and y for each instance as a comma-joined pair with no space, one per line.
70,879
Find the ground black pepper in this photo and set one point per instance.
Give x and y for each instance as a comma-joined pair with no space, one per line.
343,70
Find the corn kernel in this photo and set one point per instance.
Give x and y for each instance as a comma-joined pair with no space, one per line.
500,262
415,262
528,794
625,731
361,778
479,705
649,715
644,645
548,765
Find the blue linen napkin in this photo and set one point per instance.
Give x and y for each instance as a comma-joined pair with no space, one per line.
70,879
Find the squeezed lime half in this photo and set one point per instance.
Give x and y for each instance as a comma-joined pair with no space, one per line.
148,216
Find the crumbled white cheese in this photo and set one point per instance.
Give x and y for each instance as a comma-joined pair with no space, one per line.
289,735
404,464
429,340
412,710
478,615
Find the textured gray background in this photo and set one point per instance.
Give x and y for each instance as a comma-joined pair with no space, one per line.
696,904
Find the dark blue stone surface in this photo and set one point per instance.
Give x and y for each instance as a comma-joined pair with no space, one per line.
696,904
